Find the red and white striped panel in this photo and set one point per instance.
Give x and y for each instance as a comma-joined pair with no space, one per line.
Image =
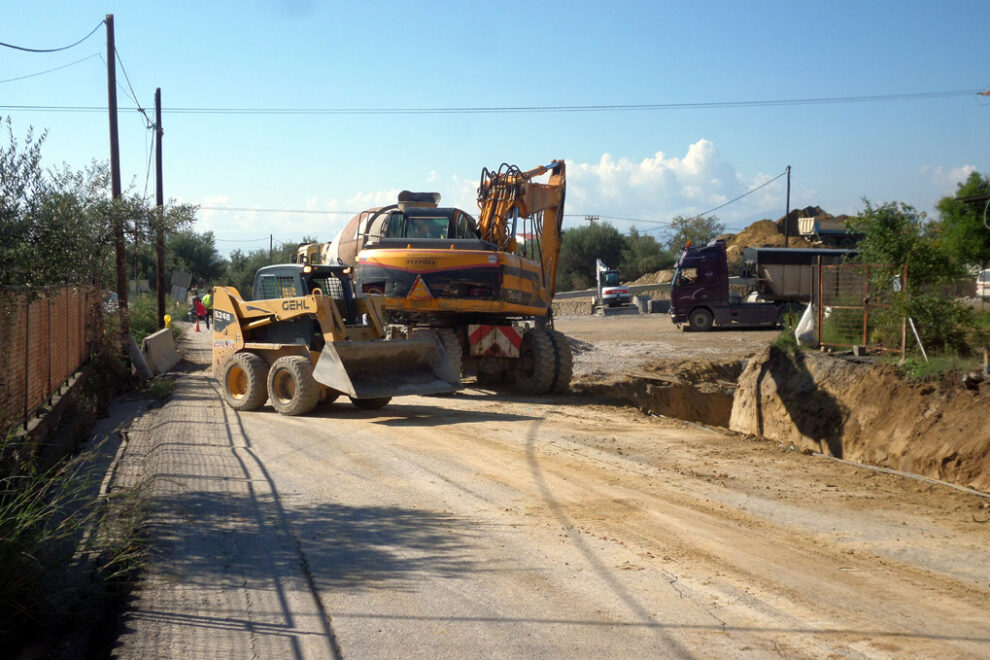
494,340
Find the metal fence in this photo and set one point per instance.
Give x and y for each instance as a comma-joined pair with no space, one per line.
44,338
855,306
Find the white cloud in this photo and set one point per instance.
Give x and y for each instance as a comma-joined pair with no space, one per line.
660,187
945,180
655,188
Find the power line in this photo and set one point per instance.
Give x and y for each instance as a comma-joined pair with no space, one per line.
58,68
913,96
54,50
120,61
246,209
735,199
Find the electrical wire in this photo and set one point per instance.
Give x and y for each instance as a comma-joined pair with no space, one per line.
55,50
245,209
58,68
120,60
735,199
525,109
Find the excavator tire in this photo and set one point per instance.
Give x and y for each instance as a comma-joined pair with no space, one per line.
564,364
291,387
244,378
537,362
371,404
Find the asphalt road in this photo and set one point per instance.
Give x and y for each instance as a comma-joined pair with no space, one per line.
482,525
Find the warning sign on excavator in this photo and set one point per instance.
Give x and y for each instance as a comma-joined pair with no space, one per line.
419,290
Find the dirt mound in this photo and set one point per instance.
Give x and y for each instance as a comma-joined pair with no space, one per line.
659,277
866,413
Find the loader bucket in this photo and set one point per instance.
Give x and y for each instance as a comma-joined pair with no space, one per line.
385,368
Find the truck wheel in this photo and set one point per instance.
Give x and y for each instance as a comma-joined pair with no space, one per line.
537,363
244,381
291,386
565,362
701,320
371,404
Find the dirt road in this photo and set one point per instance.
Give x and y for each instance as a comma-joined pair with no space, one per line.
482,525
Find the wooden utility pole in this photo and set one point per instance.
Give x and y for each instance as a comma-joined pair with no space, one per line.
787,212
117,221
160,209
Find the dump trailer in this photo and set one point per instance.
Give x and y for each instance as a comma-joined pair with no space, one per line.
484,286
829,231
774,282
305,337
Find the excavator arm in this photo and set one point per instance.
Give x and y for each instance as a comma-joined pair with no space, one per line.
506,196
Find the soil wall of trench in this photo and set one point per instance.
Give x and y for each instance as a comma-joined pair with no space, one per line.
816,402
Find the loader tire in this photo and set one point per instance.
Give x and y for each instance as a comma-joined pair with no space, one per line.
244,378
371,404
291,387
564,364
537,363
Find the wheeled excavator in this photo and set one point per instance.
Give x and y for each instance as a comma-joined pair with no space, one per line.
483,286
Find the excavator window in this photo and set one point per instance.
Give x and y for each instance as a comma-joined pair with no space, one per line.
426,227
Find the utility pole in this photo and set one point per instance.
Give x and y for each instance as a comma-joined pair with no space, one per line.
271,238
787,213
160,209
117,221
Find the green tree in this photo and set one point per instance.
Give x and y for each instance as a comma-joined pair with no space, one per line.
964,226
195,253
894,235
696,229
642,254
579,249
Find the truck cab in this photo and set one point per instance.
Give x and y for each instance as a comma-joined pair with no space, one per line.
700,295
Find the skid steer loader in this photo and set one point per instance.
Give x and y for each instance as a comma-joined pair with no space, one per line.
305,337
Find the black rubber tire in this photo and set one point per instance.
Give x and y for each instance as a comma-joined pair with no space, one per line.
701,320
243,381
537,363
292,389
565,362
451,344
371,404
329,397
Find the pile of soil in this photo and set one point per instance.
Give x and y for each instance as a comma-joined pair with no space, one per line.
866,413
659,277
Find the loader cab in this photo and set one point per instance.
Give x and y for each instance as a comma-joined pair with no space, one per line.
297,280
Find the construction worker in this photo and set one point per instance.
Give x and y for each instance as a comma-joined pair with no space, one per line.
208,304
200,311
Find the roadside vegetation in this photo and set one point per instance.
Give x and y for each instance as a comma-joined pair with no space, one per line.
941,256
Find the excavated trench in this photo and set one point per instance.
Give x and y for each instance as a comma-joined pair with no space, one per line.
814,402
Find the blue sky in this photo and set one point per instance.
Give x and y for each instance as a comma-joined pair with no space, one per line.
646,165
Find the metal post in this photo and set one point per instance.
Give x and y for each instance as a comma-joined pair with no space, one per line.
27,355
866,303
787,213
119,250
160,205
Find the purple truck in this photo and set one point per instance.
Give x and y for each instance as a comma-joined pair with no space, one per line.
776,281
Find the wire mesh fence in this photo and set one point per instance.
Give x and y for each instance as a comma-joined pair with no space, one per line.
46,337
855,306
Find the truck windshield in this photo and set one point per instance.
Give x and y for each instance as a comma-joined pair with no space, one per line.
612,278
684,276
